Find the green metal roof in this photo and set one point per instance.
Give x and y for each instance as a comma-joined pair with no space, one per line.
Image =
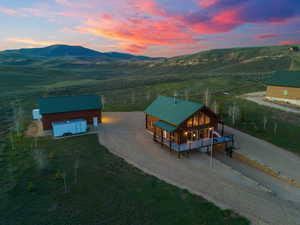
285,78
172,110
69,104
164,126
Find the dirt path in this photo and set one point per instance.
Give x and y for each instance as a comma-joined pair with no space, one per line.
258,97
124,135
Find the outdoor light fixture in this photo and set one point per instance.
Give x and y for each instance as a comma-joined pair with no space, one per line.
194,135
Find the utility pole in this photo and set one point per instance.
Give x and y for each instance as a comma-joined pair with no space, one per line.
211,147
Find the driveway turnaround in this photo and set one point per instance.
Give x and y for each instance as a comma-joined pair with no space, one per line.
124,134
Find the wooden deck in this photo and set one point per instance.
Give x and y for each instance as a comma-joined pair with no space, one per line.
194,145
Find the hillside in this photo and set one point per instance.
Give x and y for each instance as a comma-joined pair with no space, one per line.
55,51
246,60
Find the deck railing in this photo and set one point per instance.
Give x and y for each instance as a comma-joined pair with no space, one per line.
192,145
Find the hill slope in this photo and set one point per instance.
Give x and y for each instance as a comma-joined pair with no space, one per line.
241,60
74,51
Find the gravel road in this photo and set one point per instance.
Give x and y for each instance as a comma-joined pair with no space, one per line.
259,98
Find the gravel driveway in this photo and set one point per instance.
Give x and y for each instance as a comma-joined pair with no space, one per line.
124,135
278,159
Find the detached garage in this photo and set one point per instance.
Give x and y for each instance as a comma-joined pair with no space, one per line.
284,87
70,108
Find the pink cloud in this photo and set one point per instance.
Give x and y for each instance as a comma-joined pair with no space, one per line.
133,48
289,42
266,36
207,3
76,4
227,17
7,11
148,6
140,32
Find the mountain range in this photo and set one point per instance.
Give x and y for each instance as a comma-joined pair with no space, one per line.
55,51
230,60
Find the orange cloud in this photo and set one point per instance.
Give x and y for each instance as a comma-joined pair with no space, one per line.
29,41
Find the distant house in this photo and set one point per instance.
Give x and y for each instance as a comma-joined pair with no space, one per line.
294,49
183,125
285,87
59,109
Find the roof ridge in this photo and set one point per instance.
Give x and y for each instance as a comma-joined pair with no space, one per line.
180,99
67,96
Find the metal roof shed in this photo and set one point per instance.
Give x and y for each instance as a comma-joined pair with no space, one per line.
69,103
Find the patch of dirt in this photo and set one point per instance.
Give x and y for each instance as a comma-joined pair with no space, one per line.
35,129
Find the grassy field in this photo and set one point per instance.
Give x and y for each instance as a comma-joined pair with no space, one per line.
40,186
134,93
281,128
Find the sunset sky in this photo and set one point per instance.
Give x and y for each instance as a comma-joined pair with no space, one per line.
149,27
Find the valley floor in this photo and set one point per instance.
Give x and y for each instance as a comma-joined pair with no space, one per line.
249,192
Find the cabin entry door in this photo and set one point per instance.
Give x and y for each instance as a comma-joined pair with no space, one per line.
165,134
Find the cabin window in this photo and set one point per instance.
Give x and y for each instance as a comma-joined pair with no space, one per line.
150,124
196,122
207,119
285,92
190,122
204,119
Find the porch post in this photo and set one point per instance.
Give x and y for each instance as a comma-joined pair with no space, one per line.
162,138
170,142
146,121
222,128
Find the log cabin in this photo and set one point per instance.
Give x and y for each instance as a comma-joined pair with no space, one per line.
284,87
183,125
67,108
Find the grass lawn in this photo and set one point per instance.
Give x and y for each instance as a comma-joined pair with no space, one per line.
107,190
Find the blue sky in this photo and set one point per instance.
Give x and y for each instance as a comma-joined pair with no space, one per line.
149,27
